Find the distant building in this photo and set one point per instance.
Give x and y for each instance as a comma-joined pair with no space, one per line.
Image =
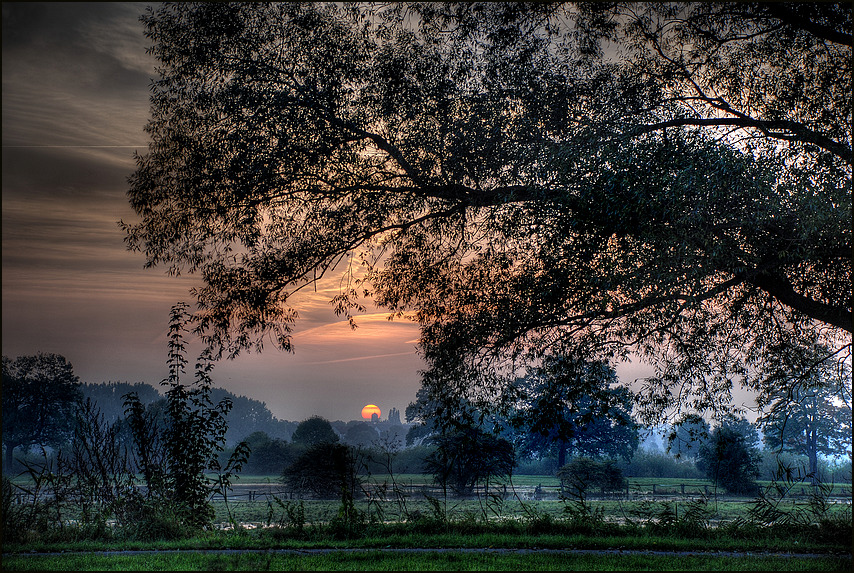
394,416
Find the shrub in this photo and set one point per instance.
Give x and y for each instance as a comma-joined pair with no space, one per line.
658,465
582,474
728,461
324,471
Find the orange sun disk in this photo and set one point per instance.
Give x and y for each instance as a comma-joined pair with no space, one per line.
369,410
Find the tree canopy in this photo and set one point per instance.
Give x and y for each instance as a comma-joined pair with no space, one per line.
575,405
314,430
811,413
671,181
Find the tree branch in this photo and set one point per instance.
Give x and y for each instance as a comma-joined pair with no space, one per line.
800,132
781,12
781,289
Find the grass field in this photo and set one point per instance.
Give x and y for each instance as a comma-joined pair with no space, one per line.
511,531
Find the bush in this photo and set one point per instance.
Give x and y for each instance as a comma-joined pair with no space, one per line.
658,465
581,474
728,461
324,471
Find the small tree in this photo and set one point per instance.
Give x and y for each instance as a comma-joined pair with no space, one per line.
174,457
325,470
729,461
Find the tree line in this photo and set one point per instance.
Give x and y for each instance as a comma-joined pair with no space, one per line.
571,409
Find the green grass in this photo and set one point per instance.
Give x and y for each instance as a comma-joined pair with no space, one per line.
545,534
421,561
472,525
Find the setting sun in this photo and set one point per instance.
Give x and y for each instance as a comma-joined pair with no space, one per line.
369,410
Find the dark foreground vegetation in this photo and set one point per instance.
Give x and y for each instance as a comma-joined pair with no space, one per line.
581,537
482,532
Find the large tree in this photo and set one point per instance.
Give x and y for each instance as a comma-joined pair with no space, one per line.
41,395
668,180
571,405
810,412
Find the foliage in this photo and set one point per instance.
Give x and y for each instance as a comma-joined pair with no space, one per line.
40,395
768,507
582,474
174,457
467,457
314,430
571,403
324,470
729,461
668,180
809,413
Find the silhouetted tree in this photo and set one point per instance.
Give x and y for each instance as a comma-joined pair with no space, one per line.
728,460
361,434
685,196
582,473
467,457
325,470
268,456
41,394
314,430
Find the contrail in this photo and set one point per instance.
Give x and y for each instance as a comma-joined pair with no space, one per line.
358,358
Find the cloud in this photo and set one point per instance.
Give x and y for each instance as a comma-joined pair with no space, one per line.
75,94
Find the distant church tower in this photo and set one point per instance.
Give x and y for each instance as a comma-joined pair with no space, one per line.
394,416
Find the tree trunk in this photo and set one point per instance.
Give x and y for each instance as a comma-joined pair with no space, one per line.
561,453
7,462
812,452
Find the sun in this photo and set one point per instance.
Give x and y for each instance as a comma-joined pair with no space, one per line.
370,410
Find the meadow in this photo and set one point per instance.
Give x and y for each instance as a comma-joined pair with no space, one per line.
531,528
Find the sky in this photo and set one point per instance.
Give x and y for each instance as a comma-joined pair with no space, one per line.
75,100
74,103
